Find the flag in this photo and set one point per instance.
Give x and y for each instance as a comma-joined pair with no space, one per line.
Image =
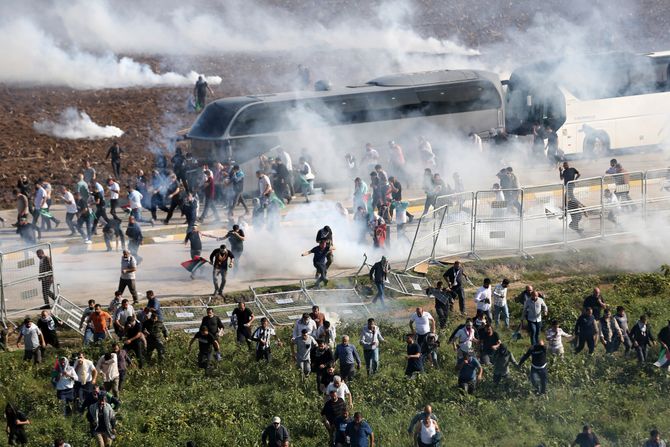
663,359
44,212
194,264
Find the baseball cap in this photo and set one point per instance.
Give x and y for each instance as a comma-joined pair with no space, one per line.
276,420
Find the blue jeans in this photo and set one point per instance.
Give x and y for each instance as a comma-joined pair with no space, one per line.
371,360
534,329
501,310
88,335
99,336
538,377
380,293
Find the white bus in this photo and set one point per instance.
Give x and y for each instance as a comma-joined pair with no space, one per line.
595,103
333,122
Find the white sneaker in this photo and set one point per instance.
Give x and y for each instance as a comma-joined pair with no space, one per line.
88,241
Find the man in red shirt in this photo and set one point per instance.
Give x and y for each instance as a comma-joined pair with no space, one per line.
100,320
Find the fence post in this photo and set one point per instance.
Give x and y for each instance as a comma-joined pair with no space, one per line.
436,234
565,216
473,226
644,198
521,222
602,206
411,248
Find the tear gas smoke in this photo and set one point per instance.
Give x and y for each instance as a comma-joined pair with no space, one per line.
75,125
75,43
33,57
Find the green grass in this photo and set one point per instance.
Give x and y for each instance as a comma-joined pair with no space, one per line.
170,404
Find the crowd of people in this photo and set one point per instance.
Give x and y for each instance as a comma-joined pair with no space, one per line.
94,386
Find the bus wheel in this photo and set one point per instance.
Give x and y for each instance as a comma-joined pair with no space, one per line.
597,145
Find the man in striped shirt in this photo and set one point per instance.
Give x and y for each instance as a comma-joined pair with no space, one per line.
262,336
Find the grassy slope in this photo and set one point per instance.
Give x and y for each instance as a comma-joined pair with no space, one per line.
174,403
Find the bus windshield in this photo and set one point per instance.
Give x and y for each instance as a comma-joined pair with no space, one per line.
215,118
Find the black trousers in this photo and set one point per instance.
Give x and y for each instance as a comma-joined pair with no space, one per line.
588,340
442,311
116,168
137,347
458,290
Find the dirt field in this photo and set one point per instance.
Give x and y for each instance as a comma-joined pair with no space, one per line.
149,116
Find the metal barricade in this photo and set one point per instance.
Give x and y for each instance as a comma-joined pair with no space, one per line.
657,196
412,285
68,312
497,220
623,202
23,286
425,237
543,216
187,318
283,308
584,209
455,236
346,304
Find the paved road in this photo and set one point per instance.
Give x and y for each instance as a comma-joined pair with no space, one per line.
270,258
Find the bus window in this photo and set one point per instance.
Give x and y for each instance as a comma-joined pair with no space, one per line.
458,99
392,105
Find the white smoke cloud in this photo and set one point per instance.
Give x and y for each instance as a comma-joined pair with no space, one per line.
75,125
76,43
31,56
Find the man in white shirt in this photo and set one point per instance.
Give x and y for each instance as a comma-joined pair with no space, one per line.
114,190
86,377
421,323
70,208
304,323
483,298
533,309
264,188
327,333
500,303
341,389
33,341
108,369
371,336
463,340
135,201
39,204
121,315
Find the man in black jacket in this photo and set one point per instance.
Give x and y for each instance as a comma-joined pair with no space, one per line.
378,273
454,276
275,434
641,336
135,237
586,331
538,367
